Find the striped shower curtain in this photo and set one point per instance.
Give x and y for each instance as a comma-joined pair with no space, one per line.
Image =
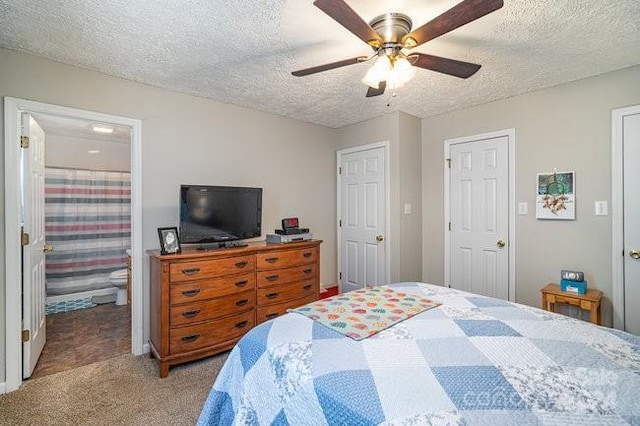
88,222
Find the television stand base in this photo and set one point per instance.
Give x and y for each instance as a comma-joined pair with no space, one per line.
222,245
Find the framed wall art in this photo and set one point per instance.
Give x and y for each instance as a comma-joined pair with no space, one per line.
556,197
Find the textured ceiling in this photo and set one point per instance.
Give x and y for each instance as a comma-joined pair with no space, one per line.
242,51
79,128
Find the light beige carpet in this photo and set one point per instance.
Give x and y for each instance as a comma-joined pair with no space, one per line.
121,391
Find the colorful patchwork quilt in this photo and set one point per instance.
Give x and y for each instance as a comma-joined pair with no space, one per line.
471,361
362,313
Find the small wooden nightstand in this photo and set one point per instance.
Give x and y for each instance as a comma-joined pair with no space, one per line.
552,294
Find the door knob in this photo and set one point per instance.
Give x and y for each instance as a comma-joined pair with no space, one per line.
501,243
635,253
48,248
380,238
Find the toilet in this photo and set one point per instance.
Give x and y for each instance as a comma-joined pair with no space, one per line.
119,279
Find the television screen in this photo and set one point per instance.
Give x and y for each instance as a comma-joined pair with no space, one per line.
214,214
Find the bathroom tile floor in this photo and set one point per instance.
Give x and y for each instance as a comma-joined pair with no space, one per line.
83,337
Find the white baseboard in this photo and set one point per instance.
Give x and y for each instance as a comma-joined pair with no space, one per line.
145,348
3,388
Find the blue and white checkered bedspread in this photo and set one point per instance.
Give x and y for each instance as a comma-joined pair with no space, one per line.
473,360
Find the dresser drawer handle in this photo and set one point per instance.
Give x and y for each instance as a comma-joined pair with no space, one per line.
272,277
271,315
190,314
191,293
241,324
308,271
308,286
242,302
242,264
271,259
190,271
307,254
242,283
190,339
272,295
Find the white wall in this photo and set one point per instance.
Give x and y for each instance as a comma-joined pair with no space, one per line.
567,127
402,131
186,139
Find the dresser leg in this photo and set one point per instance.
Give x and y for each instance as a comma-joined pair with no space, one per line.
164,369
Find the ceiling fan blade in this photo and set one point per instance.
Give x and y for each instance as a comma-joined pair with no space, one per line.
377,92
443,65
459,15
348,18
327,67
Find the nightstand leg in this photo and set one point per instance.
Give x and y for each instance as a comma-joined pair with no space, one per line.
595,314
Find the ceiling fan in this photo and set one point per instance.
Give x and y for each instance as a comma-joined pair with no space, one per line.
390,34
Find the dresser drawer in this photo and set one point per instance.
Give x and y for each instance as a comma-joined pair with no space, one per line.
265,313
189,338
192,313
187,271
286,275
286,292
206,289
286,258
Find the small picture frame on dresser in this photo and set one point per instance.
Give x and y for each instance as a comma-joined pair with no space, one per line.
169,240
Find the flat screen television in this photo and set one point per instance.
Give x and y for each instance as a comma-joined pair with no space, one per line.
219,214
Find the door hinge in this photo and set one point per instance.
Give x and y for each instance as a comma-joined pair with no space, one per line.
449,226
339,170
26,335
448,160
340,223
340,276
24,141
24,238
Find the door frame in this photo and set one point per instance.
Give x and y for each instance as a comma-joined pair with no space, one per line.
617,214
387,201
510,134
13,304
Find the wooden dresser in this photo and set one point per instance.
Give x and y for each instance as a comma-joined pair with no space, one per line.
203,302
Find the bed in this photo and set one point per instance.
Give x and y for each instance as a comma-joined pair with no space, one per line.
471,360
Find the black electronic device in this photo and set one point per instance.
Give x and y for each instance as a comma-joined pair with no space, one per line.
572,275
292,231
219,214
291,226
290,223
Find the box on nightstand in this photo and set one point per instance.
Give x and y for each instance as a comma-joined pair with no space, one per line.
578,287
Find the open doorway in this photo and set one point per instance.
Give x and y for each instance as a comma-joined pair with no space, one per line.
15,308
87,233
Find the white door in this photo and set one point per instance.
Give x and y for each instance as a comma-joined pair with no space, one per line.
631,185
33,265
479,216
362,219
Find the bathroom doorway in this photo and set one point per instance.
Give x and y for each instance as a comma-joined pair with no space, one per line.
87,194
18,309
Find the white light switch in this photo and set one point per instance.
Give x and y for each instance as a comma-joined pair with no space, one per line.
523,208
602,209
407,208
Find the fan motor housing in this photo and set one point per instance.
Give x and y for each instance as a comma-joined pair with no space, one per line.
391,27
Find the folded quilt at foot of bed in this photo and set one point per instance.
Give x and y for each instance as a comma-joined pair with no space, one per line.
363,313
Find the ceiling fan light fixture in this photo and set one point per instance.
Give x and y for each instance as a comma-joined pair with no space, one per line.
402,72
378,72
